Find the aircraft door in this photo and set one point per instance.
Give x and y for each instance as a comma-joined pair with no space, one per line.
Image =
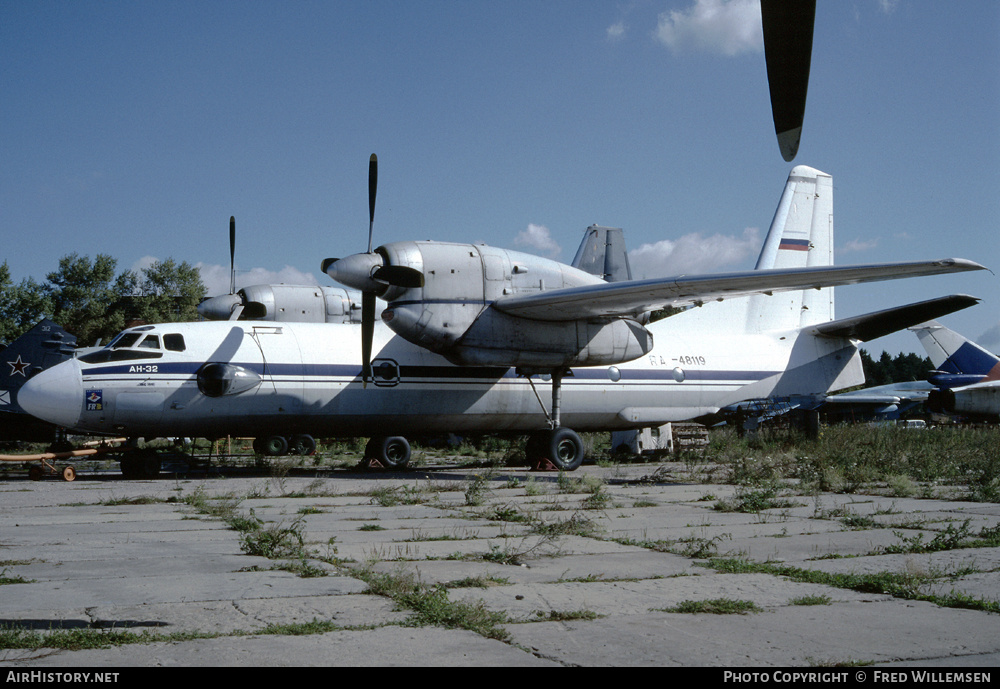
281,388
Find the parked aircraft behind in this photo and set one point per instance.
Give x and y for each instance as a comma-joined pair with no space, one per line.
958,363
468,333
967,377
45,345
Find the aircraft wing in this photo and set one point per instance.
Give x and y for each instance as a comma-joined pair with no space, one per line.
873,325
638,296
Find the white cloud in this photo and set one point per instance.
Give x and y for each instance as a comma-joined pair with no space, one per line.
537,237
616,31
726,27
888,6
216,277
693,254
990,340
143,263
858,245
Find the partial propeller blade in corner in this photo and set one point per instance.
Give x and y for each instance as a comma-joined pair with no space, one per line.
372,188
788,36
232,254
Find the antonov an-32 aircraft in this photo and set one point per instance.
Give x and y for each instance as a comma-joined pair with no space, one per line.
473,337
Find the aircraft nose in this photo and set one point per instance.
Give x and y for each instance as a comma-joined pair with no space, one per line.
55,394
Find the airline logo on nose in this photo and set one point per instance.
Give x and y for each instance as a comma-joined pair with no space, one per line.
95,400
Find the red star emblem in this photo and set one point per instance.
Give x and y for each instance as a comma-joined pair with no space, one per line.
18,366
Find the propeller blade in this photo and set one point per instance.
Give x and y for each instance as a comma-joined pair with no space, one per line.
367,334
237,310
788,37
232,254
399,276
372,188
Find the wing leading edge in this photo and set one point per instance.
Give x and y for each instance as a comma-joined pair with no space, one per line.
638,296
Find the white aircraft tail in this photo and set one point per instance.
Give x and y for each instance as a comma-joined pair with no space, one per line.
800,236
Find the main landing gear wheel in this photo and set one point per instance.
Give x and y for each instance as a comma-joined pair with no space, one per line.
392,452
278,445
560,446
272,446
302,445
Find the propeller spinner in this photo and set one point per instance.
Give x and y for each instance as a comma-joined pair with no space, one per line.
368,273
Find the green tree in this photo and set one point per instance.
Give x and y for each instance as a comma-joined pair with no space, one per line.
88,299
169,292
898,369
83,294
21,306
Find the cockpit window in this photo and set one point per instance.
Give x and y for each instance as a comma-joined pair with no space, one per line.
125,340
105,355
174,342
150,342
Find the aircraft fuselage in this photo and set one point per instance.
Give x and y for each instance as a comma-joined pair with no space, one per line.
288,378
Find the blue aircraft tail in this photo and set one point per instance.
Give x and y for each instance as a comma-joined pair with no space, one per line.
956,359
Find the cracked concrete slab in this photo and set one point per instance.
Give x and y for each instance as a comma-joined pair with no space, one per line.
569,580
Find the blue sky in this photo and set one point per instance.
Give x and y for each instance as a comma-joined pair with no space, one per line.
136,129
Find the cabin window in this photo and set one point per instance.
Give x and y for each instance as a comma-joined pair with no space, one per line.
174,342
150,342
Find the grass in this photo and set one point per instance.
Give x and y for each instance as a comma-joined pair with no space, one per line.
950,539
4,579
715,606
430,605
754,499
849,458
904,585
83,638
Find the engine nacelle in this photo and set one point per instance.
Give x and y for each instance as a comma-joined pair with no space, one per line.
980,400
451,313
278,302
216,379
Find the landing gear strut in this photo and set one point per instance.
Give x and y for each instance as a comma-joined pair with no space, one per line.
559,446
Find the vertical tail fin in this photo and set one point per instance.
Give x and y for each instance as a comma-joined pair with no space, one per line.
954,354
800,236
602,253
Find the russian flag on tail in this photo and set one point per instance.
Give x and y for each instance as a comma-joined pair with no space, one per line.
794,244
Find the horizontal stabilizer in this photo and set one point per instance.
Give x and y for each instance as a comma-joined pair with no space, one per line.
874,325
639,296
